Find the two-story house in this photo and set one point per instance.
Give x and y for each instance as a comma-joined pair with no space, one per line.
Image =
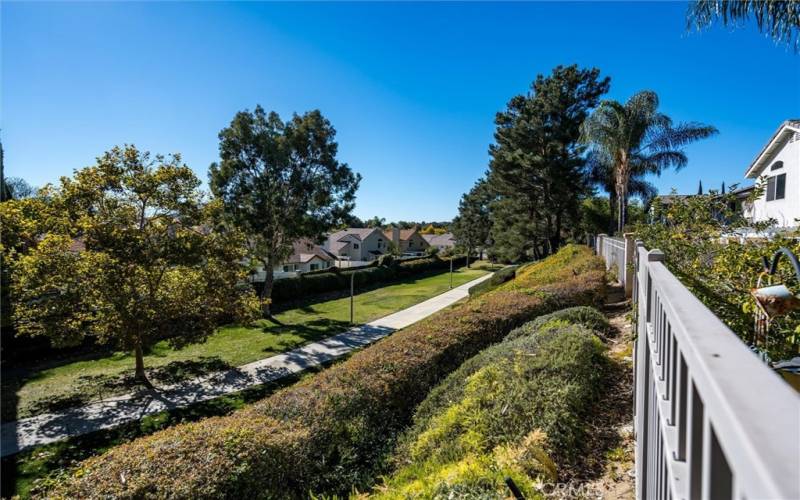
408,241
443,242
777,169
357,244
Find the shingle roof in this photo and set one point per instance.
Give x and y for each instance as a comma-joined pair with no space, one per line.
440,239
340,239
304,250
404,233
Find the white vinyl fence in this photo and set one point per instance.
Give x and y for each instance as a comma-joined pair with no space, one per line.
711,420
618,254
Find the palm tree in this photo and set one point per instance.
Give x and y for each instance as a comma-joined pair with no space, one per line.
777,19
602,176
634,140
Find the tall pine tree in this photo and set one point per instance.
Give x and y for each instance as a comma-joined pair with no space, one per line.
538,169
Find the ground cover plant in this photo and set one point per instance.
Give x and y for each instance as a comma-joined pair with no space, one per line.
516,410
331,432
79,382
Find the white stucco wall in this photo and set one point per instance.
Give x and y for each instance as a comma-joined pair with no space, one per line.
785,211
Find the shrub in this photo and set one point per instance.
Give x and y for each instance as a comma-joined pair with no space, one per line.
498,278
331,431
589,317
514,410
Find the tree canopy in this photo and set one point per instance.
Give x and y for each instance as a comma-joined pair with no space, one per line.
635,139
280,181
537,167
123,252
777,19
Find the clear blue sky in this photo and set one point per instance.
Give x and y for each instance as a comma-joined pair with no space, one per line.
411,88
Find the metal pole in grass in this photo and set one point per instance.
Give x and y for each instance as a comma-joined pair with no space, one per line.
451,272
352,276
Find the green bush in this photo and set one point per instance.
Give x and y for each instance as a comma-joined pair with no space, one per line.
331,432
498,278
514,410
589,317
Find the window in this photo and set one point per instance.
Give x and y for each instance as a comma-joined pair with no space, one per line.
314,267
776,166
355,246
286,269
776,187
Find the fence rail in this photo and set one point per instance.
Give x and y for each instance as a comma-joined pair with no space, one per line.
711,420
618,254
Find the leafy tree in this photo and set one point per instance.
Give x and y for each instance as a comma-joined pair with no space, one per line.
779,20
473,224
280,181
19,188
634,139
537,159
124,252
374,222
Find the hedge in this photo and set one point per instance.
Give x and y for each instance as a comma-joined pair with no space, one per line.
334,279
514,410
582,315
498,278
331,432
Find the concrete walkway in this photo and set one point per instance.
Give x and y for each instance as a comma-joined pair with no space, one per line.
112,412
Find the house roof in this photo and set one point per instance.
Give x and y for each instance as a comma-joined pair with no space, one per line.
779,139
340,239
405,234
440,239
304,250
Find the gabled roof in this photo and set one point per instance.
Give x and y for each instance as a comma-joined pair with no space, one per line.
340,239
304,250
779,139
405,234
440,239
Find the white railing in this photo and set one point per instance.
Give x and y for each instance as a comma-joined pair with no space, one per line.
618,254
711,420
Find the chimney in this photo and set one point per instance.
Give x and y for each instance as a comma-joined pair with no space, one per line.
396,235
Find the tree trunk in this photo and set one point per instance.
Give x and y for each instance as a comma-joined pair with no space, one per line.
140,375
266,292
612,204
621,186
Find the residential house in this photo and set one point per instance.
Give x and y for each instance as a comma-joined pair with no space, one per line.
408,241
777,169
306,256
445,241
356,244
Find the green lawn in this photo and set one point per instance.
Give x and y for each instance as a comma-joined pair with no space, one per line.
82,381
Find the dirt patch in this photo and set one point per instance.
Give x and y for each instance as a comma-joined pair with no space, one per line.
607,468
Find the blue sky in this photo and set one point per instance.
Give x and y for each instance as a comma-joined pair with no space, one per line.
412,89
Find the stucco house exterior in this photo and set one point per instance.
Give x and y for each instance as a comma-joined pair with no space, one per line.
357,244
777,169
407,240
443,242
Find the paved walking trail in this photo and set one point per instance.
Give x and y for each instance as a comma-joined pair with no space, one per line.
112,412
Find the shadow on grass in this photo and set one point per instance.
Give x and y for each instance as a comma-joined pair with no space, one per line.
34,469
90,388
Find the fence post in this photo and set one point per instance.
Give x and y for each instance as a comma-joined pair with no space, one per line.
630,252
599,244
643,374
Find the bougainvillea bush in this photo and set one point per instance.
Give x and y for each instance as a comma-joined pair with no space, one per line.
516,410
332,432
